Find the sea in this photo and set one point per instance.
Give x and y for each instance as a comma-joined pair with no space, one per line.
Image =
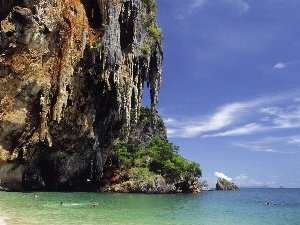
249,206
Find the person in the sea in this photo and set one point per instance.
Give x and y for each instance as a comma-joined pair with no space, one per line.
94,205
35,196
61,204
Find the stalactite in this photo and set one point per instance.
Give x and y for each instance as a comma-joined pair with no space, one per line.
77,68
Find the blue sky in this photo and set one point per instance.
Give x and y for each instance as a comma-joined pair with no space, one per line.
230,95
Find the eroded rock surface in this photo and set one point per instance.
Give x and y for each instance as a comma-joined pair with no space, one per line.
223,184
71,75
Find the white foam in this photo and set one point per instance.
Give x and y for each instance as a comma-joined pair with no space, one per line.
2,222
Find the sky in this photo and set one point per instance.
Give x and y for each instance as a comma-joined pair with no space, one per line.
230,94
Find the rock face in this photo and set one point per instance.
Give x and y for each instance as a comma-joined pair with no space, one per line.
223,184
156,186
71,76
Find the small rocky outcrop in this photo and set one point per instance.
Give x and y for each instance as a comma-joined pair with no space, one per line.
223,184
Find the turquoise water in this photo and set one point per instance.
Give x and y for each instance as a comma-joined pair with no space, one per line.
247,206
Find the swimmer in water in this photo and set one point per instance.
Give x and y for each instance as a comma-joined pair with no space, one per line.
35,196
61,204
94,205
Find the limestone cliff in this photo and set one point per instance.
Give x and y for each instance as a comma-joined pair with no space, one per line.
72,74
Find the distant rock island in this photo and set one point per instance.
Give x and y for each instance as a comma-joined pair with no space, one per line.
223,184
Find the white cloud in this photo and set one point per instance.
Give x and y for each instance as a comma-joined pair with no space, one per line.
255,147
222,176
247,129
239,4
223,117
271,144
283,118
297,100
283,65
169,120
244,180
196,4
280,66
294,140
241,118
271,110
244,6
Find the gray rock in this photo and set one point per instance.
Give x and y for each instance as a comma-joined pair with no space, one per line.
223,184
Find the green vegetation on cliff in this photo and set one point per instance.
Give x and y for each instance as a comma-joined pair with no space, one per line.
153,30
223,184
158,156
144,154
